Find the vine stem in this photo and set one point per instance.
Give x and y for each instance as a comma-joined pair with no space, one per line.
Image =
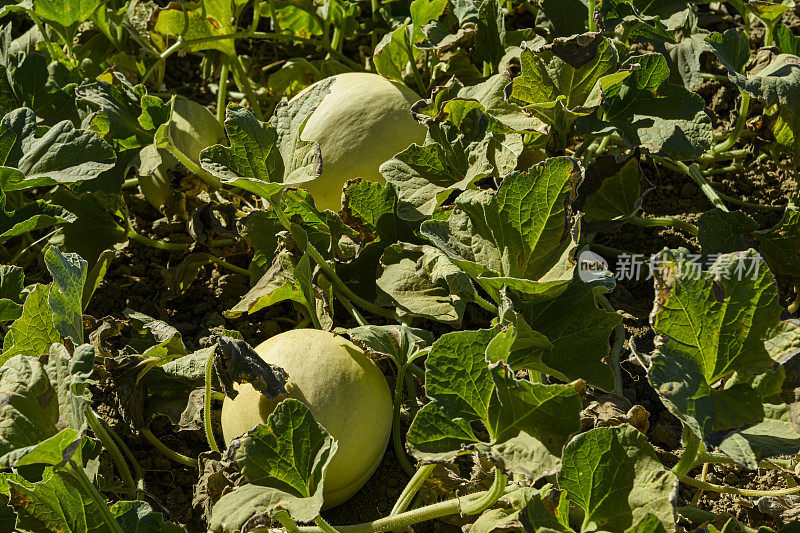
396,437
693,171
324,526
152,243
473,504
412,487
330,273
240,76
109,444
350,308
687,460
108,518
489,306
137,468
286,521
222,92
592,6
739,492
738,126
414,68
655,222
207,403
169,454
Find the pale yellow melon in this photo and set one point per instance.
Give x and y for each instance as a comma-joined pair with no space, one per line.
363,122
345,392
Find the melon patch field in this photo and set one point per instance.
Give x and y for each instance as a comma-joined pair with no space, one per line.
474,266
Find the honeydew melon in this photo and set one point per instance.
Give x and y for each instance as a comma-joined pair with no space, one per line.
362,122
345,392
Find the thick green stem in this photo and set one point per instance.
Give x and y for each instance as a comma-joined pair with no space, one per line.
286,521
655,222
406,497
397,438
212,442
592,6
489,306
169,454
492,495
158,245
109,444
324,526
741,120
240,76
693,171
99,500
138,473
739,492
222,92
414,68
350,308
687,461
466,505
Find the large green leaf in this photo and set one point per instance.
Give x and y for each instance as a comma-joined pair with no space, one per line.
617,479
34,332
70,376
580,338
559,81
30,406
522,237
772,437
464,145
527,423
650,112
712,324
11,283
65,12
422,281
62,154
206,19
285,462
66,292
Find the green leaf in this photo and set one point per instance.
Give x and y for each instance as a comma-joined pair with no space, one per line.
391,53
528,423
125,115
521,237
723,232
787,41
771,437
651,19
12,279
30,403
70,377
56,503
490,35
205,19
138,517
95,229
53,451
66,293
464,145
732,48
509,513
580,338
285,462
713,324
568,17
397,342
65,12
650,112
421,281
769,12
614,475
559,81
62,154
613,190
34,332
38,214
